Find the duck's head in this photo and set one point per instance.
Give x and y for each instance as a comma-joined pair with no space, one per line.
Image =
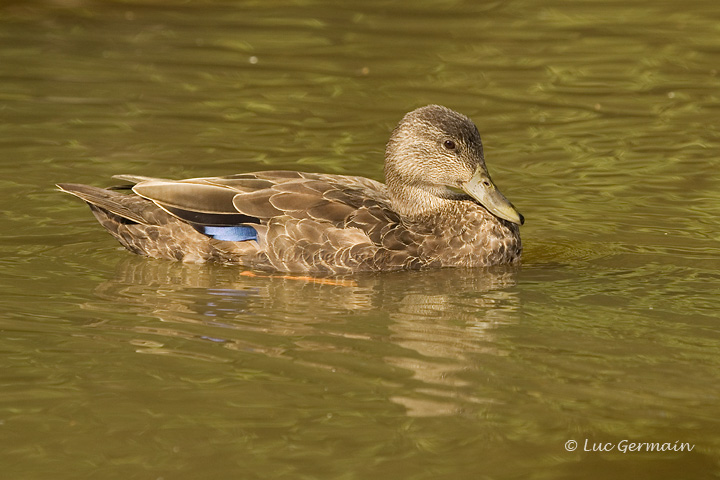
433,150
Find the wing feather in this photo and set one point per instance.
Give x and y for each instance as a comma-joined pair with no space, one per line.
186,195
256,204
290,202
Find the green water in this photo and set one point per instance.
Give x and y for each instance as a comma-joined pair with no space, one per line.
600,123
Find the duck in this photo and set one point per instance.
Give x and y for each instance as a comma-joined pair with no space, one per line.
437,208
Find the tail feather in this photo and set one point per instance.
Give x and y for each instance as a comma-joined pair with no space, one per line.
144,228
104,199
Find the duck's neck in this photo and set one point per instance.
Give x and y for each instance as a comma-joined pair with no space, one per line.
413,201
411,194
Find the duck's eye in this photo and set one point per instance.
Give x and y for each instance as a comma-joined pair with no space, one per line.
449,144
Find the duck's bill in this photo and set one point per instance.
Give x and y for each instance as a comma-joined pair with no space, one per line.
481,188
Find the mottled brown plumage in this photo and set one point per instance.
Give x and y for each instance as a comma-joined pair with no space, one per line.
333,224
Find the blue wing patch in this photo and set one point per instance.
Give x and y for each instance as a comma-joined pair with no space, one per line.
240,233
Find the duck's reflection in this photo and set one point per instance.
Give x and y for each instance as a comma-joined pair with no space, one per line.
430,324
444,330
